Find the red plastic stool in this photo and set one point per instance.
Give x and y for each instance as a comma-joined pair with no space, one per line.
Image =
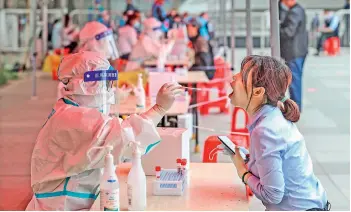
332,46
204,96
219,82
211,143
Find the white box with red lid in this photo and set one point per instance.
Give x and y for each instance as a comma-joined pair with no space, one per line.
174,144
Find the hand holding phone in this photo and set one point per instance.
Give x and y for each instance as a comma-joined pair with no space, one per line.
230,146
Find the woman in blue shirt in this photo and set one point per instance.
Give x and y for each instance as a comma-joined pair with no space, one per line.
280,171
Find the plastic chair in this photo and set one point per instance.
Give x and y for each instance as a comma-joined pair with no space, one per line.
332,46
239,122
219,82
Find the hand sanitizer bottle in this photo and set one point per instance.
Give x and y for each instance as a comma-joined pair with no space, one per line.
140,93
109,199
136,182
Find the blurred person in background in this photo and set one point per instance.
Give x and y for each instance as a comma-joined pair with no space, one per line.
206,28
124,19
159,12
283,10
56,34
96,6
106,20
294,46
128,37
186,18
314,28
149,45
171,15
138,25
177,22
70,34
95,37
330,28
203,57
130,6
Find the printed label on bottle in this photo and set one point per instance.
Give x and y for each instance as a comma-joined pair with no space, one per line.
130,195
109,200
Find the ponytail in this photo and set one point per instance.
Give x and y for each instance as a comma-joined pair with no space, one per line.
290,110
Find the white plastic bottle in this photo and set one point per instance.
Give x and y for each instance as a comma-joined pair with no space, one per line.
109,187
140,93
136,183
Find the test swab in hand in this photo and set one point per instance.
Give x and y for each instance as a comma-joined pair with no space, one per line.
200,89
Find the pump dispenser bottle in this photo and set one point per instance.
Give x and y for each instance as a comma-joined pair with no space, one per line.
136,182
140,93
109,187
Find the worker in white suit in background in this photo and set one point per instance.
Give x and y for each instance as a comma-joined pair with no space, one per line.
149,45
96,37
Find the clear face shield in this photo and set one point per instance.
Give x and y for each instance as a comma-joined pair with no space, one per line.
100,83
108,44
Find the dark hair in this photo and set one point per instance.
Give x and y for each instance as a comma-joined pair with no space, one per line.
275,77
130,19
67,18
177,16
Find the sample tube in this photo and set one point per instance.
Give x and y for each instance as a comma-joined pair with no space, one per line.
179,165
183,167
158,172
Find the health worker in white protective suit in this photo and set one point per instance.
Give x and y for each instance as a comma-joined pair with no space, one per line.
95,37
68,157
149,45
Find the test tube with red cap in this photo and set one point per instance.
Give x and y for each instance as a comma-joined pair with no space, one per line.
184,161
179,165
158,172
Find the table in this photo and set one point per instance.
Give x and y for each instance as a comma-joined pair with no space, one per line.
128,107
179,62
194,77
212,186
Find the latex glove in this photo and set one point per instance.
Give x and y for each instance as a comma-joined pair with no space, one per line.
166,95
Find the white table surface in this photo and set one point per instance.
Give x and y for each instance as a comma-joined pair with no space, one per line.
212,186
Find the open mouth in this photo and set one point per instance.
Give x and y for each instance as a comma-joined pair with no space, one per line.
231,94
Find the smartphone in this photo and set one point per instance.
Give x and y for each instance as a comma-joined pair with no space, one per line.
231,147
227,143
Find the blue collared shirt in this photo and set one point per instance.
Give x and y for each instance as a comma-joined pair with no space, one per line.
282,168
334,22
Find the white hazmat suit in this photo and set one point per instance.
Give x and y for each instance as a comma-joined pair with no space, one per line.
149,45
95,37
65,167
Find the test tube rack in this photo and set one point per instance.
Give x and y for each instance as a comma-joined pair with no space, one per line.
171,183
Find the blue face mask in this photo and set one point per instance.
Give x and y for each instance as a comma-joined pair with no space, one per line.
137,25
